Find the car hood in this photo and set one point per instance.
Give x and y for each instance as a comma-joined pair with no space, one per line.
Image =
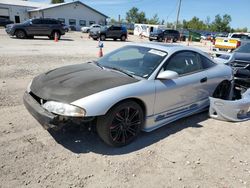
70,83
244,57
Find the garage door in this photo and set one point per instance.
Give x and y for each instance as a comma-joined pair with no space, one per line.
4,12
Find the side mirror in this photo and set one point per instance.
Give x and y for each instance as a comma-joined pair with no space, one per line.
167,75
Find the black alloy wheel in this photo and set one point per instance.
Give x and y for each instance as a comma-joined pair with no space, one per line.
122,124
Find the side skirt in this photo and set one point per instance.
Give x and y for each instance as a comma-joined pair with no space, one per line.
159,120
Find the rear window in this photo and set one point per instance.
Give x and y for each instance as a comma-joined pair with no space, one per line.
240,36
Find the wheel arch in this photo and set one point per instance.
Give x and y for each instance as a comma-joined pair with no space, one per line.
224,83
20,29
138,101
55,30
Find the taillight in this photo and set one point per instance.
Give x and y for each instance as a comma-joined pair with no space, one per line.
238,44
214,41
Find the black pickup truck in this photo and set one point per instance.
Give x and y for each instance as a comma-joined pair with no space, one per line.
36,27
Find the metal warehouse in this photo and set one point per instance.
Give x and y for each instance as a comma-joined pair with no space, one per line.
76,14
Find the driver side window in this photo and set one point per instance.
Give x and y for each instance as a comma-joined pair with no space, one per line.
183,63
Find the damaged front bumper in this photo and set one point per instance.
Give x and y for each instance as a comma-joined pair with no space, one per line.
49,120
228,110
45,118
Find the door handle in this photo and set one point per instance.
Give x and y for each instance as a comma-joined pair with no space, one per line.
203,80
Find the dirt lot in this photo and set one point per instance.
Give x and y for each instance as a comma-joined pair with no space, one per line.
193,152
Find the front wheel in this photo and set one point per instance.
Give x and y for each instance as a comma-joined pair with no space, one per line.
122,124
160,39
20,34
102,37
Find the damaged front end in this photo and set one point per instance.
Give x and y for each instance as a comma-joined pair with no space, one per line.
231,100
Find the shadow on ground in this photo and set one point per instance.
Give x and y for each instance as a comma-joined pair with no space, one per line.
79,141
45,38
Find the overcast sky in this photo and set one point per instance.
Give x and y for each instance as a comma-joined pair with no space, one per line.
166,9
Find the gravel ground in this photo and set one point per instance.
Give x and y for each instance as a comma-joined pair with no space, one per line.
193,152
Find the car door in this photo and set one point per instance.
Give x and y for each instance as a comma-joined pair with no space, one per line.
33,26
166,34
188,91
110,32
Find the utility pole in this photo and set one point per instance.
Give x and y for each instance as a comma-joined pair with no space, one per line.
178,14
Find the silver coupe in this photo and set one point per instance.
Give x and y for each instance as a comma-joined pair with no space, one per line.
136,87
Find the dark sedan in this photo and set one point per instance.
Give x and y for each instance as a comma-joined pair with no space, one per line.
5,21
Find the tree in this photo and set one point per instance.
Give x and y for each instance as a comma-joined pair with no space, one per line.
195,23
134,16
221,24
57,1
244,30
154,20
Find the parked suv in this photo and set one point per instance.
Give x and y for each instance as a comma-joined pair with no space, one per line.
161,35
113,32
5,21
36,27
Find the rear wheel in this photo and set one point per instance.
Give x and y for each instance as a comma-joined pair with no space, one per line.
20,34
122,124
52,36
123,38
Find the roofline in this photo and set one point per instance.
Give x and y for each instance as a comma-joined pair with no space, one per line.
18,5
68,4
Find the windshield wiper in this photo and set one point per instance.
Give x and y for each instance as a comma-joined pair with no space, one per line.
120,70
97,64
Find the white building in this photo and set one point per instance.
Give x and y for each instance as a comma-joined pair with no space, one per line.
76,14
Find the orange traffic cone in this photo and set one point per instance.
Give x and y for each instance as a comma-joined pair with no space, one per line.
100,52
56,37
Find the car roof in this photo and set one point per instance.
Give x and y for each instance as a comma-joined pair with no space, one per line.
169,48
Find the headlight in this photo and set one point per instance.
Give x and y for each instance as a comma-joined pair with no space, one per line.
64,109
29,85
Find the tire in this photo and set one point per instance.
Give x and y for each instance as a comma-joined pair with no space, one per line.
52,36
115,39
150,39
123,38
121,125
102,37
160,39
20,34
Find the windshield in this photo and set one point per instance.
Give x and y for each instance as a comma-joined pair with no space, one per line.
244,49
27,22
135,60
